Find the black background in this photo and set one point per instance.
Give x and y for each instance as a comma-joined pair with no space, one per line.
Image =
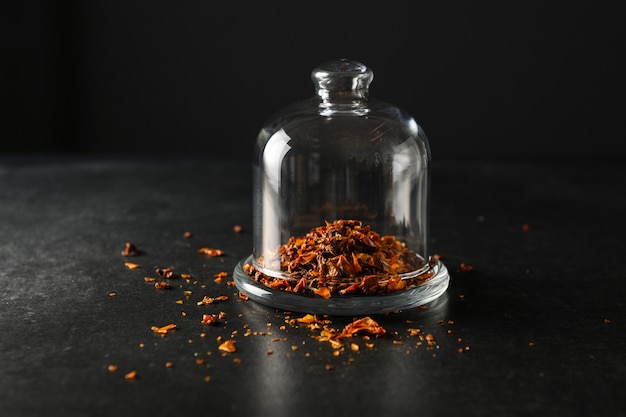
201,77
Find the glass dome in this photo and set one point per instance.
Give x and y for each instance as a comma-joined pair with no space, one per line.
340,204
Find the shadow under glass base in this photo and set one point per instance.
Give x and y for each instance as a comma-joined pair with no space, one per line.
343,305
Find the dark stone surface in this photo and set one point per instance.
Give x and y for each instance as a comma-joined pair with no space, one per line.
64,222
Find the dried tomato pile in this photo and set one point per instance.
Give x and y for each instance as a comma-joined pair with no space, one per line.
343,258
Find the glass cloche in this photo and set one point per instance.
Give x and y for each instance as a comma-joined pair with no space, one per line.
341,204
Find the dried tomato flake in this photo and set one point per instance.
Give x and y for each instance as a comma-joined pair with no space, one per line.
466,268
129,250
344,258
211,252
322,292
209,318
131,375
164,329
162,285
210,300
165,272
228,346
365,325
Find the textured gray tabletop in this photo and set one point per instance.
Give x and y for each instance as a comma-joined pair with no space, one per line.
537,326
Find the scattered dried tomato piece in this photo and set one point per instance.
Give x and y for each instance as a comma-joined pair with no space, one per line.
131,375
322,292
209,318
365,325
212,252
165,272
210,300
131,265
162,285
164,329
129,250
220,276
308,319
414,332
228,346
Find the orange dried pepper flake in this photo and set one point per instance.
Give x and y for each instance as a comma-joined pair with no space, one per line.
243,296
162,285
164,329
165,272
465,267
129,250
365,325
112,368
322,292
131,265
228,346
131,375
210,300
218,278
209,318
211,252
344,257
308,319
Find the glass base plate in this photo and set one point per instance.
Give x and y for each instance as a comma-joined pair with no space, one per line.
343,305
